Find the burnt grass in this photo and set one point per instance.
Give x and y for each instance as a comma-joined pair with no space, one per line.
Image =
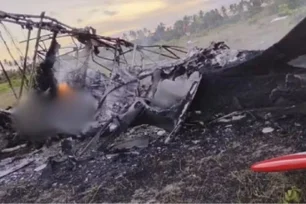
201,164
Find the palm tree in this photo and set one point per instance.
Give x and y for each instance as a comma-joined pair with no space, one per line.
125,36
186,20
256,4
201,14
224,12
233,9
218,18
140,34
133,34
160,31
194,18
248,5
178,28
240,7
145,31
194,27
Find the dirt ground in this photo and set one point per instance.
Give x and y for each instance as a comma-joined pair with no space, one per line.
201,164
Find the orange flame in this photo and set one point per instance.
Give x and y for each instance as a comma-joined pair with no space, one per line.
64,90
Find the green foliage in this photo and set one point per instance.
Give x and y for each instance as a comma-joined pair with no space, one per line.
4,87
292,4
284,10
253,20
293,195
12,74
248,10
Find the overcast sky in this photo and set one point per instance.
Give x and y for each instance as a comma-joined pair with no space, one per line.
113,16
109,17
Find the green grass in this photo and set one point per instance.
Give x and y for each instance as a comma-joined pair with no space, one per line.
7,97
4,87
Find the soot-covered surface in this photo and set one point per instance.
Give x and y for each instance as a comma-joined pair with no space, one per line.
201,164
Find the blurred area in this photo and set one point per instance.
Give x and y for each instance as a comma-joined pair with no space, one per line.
38,117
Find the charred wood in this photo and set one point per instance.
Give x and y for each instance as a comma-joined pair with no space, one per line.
44,77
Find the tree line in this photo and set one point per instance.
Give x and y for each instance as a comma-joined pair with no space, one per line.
209,20
12,63
201,21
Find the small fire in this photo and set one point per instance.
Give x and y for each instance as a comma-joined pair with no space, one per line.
64,90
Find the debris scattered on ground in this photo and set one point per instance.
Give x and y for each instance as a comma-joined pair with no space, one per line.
147,143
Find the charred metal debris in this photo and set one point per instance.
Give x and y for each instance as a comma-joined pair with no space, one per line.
158,85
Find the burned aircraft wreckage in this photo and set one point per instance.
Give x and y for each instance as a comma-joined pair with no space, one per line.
131,88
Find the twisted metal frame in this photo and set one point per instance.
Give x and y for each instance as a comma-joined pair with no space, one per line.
84,36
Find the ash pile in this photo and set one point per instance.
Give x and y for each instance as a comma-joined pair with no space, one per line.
87,113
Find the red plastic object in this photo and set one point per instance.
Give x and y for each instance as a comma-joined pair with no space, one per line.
282,163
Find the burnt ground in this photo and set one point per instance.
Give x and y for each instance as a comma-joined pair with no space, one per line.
201,164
